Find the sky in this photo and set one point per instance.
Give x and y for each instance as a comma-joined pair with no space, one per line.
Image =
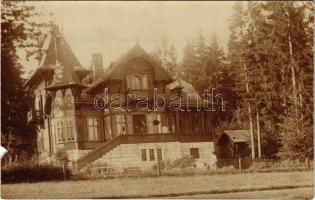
112,28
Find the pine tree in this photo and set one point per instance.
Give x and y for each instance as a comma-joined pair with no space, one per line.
273,43
165,55
17,31
297,137
236,63
194,62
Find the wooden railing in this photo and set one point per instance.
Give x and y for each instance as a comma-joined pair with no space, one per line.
135,139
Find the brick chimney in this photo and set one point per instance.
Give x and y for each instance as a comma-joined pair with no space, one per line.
97,65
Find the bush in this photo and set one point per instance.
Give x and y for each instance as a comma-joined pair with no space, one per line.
184,162
278,165
32,173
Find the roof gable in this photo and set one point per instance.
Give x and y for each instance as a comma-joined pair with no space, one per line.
117,69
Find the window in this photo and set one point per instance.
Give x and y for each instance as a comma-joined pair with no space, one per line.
151,153
194,152
93,129
59,130
71,130
138,82
70,134
121,124
68,130
144,81
63,131
135,82
159,154
143,154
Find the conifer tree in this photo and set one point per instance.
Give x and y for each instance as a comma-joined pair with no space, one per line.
165,54
17,31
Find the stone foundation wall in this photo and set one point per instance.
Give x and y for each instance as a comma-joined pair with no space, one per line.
129,155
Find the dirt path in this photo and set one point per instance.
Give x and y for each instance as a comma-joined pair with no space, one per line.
296,193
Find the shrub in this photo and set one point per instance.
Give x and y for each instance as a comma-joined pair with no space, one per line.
184,162
32,173
278,165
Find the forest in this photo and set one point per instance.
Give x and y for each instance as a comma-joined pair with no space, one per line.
265,75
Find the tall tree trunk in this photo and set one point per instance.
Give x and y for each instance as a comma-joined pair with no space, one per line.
292,71
258,134
300,97
284,89
249,115
251,132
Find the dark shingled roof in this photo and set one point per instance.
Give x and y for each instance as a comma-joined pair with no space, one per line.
58,51
116,70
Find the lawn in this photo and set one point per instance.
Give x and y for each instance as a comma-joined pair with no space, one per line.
155,186
299,193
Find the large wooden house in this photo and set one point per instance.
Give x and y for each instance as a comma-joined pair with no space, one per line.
69,120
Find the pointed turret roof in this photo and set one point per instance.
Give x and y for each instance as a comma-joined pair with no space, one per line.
58,52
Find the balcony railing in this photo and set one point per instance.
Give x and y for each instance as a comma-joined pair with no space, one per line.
34,116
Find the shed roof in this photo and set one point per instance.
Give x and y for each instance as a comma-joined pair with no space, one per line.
238,135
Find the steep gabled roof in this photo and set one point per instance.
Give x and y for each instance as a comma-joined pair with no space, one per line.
116,70
57,51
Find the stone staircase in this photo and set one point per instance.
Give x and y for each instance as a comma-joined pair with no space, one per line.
97,153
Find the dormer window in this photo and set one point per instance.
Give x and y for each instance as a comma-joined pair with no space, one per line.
137,81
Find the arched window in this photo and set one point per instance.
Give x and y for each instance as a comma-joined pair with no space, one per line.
135,82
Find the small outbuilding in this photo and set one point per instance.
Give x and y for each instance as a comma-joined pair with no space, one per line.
232,144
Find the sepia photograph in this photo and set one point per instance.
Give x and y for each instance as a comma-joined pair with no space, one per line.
157,99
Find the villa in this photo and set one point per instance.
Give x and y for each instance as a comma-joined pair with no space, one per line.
129,132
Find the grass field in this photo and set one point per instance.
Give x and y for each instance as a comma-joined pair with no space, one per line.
155,186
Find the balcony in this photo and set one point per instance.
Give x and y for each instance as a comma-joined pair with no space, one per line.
34,116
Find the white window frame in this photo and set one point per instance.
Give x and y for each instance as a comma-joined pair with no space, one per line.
143,78
92,126
121,124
